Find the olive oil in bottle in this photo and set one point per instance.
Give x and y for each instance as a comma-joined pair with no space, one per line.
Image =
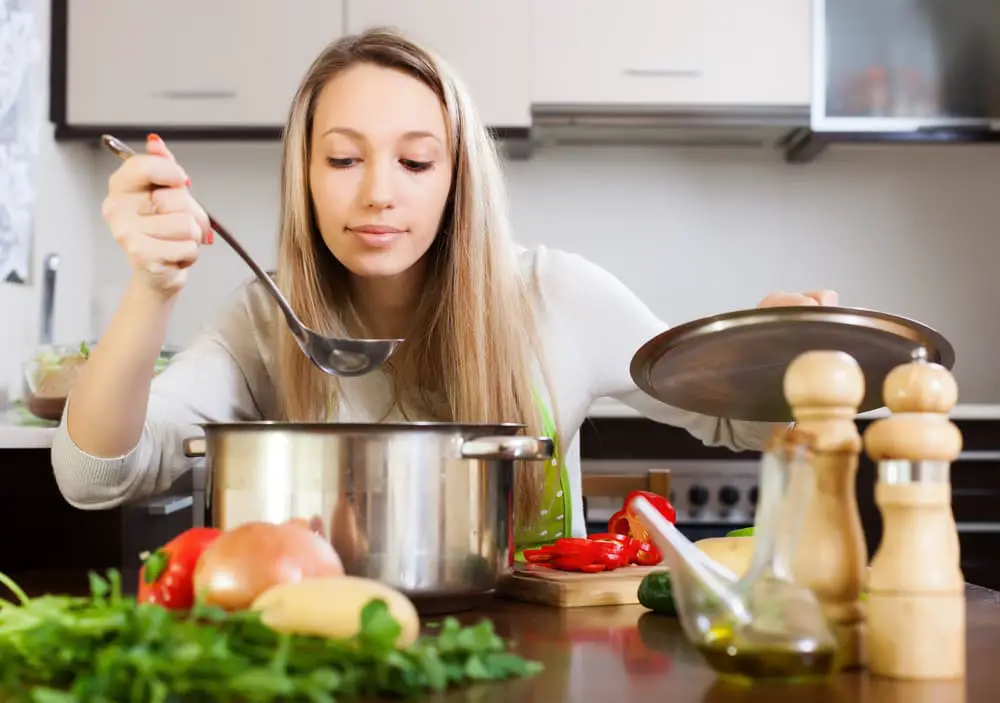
768,662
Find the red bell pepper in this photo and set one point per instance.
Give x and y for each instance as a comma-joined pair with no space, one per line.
636,528
166,577
599,552
618,524
626,543
647,554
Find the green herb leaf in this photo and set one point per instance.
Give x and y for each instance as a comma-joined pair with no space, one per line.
155,563
378,627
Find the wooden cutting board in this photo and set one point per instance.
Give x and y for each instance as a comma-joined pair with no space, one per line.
562,589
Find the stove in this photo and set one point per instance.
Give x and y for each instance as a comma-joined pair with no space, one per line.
711,496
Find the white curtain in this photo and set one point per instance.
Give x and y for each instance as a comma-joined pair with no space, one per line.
22,85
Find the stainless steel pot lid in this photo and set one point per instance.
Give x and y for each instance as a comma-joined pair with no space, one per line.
733,365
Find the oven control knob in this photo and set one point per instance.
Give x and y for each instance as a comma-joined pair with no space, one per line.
698,495
729,495
753,495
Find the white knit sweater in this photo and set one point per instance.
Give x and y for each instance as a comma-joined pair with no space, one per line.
590,326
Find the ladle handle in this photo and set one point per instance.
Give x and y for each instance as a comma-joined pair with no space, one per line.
125,152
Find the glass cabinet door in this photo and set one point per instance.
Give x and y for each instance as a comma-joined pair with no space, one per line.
906,64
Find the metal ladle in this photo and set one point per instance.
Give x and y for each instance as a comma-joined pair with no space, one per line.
335,356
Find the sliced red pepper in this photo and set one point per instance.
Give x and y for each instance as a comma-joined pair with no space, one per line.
619,524
615,560
602,552
647,554
572,562
610,537
636,528
538,556
568,543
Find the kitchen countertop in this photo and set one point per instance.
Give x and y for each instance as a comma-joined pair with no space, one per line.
608,407
16,435
626,652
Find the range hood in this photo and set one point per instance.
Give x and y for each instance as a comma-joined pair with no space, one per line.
883,71
902,71
567,125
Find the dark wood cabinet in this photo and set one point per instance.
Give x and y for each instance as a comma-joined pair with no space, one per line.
44,537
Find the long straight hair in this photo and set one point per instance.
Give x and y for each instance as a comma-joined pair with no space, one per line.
474,350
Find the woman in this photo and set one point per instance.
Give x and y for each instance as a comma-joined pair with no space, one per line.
393,224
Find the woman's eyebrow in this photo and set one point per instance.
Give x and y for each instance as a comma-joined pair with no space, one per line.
407,136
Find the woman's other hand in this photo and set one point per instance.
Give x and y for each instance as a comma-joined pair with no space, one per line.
781,299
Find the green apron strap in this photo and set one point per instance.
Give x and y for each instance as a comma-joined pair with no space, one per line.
557,498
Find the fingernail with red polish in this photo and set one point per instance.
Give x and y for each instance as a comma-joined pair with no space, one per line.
187,182
151,137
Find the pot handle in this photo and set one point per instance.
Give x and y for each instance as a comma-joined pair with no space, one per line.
194,447
508,448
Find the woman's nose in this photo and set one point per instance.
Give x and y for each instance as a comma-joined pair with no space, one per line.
377,189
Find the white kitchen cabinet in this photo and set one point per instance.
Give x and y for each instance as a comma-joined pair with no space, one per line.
485,42
189,63
676,52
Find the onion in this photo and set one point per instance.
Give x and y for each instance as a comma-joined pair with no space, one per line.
248,560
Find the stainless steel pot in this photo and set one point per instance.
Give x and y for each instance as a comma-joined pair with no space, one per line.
424,507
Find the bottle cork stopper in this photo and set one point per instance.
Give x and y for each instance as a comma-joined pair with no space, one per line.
920,395
827,382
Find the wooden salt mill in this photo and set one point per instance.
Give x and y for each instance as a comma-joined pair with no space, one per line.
824,390
916,590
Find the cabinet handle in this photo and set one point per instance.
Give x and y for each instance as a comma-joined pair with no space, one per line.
662,72
168,505
197,94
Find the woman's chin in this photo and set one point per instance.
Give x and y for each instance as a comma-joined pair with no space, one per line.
377,265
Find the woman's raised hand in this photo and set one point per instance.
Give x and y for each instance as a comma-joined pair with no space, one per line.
153,217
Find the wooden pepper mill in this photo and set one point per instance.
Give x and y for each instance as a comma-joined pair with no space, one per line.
916,590
824,390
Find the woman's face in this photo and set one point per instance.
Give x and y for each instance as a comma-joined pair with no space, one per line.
380,169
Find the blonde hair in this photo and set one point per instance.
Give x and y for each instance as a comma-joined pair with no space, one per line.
474,345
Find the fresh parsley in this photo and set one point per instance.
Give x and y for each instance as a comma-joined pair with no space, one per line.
107,648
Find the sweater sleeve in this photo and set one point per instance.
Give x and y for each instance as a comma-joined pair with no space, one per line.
610,324
220,377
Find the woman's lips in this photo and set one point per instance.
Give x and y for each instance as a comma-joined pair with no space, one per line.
377,235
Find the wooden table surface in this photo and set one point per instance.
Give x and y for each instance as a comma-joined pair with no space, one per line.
630,654
626,653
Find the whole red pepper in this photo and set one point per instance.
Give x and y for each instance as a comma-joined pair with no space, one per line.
167,575
636,528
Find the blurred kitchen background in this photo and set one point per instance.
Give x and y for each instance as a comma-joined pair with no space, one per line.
704,151
693,228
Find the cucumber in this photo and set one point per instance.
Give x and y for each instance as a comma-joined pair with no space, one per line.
657,593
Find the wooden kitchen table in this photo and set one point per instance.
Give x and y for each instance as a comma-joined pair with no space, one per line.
626,653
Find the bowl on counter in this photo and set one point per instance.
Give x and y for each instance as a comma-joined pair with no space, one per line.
51,372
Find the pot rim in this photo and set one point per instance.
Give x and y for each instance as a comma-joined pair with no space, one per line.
365,427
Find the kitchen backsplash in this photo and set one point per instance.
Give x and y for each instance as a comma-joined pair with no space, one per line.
691,231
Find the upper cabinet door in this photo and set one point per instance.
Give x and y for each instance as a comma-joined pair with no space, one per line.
485,42
694,52
189,63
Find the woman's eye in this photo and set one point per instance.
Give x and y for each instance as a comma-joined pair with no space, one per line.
416,166
341,163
